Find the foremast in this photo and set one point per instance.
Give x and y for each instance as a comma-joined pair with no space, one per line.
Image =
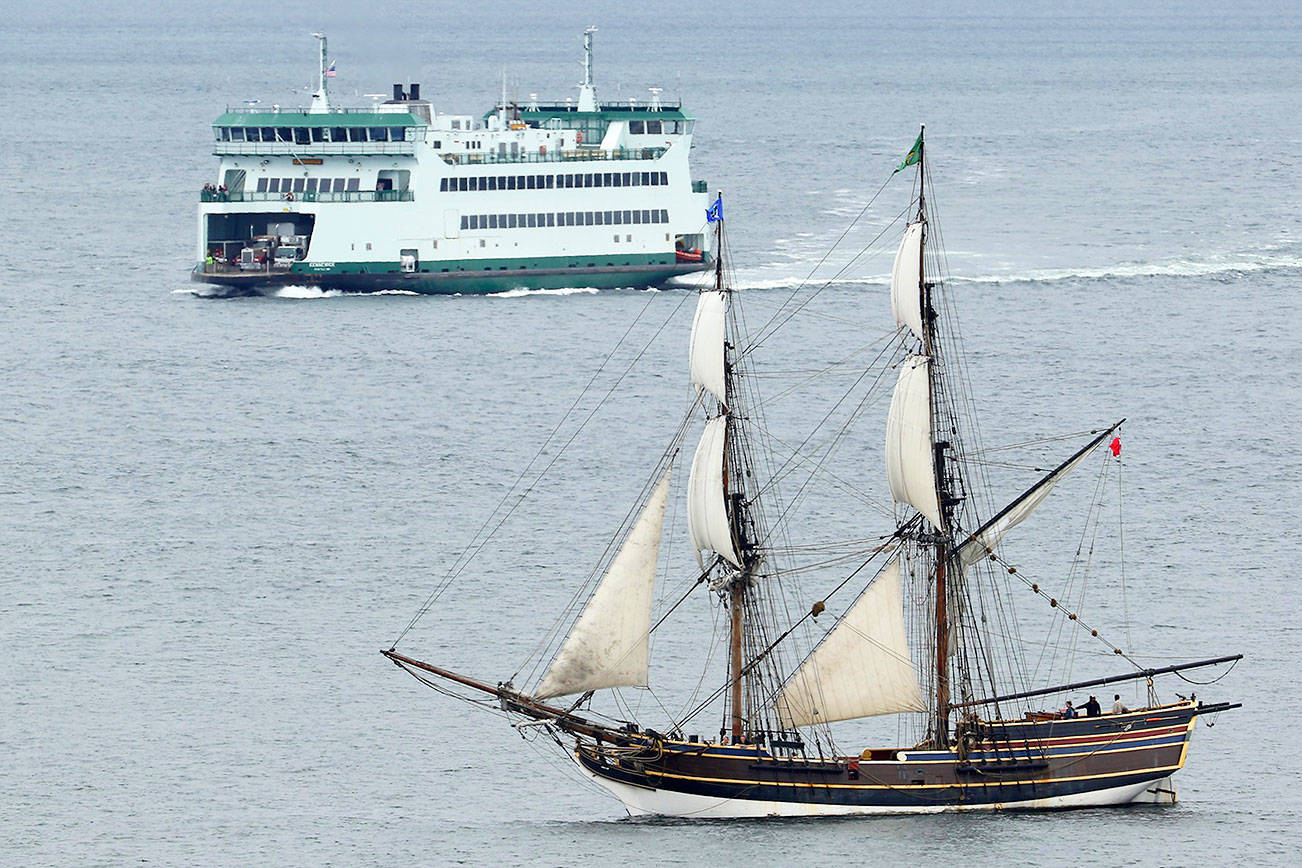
719,509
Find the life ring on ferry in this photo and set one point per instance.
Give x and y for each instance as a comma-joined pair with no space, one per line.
542,149
578,138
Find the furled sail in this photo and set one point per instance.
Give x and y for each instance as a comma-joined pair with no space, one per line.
608,645
906,280
910,460
988,536
707,498
861,668
706,355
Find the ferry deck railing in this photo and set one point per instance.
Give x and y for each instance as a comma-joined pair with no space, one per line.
304,196
578,155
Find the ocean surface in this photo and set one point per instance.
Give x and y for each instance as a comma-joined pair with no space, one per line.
215,512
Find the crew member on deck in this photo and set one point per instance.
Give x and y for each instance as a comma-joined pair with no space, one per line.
1068,713
1092,708
1118,707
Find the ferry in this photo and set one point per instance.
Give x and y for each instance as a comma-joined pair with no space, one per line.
399,196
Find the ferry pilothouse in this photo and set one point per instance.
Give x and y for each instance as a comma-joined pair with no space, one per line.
400,196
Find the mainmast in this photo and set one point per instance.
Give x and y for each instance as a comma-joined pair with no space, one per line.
944,498
587,90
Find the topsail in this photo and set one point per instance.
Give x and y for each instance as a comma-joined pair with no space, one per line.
906,280
910,459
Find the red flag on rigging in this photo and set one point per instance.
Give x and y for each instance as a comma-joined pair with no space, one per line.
1115,446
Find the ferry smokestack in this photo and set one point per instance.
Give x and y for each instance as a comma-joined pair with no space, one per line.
397,93
415,90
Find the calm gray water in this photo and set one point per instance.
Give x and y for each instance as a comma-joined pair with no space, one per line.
213,513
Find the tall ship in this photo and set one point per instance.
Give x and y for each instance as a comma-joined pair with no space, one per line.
914,619
399,195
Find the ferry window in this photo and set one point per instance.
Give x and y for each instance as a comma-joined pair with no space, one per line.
456,125
273,185
354,184
318,134
671,128
437,144
492,183
465,222
608,220
653,127
587,218
339,184
311,185
587,180
471,222
637,179
356,134
531,183
646,179
617,179
598,218
379,134
637,128
569,181
646,216
301,136
550,180
519,182
625,180
443,186
510,182
492,221
252,134
262,185
501,221
469,184
628,217
223,134
637,217
664,178
298,185
284,134
664,215
237,134
338,134
551,219
510,221
605,180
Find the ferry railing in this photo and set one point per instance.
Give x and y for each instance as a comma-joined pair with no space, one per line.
583,155
304,196
235,149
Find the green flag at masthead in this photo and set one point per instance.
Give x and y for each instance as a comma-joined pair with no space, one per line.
915,154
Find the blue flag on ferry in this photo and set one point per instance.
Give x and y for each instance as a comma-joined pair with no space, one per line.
715,211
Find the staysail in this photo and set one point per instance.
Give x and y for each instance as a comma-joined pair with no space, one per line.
708,521
861,668
706,354
906,280
979,544
608,645
910,459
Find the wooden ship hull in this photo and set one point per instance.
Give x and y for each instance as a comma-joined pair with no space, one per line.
1094,761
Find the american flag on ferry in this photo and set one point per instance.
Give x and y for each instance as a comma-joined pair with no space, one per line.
330,70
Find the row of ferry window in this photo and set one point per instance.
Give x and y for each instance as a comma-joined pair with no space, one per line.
564,218
656,128
550,182
309,185
308,135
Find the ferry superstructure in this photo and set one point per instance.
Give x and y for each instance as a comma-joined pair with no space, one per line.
400,196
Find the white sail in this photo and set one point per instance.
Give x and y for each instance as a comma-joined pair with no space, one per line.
608,645
861,668
707,510
910,459
979,546
706,355
906,280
